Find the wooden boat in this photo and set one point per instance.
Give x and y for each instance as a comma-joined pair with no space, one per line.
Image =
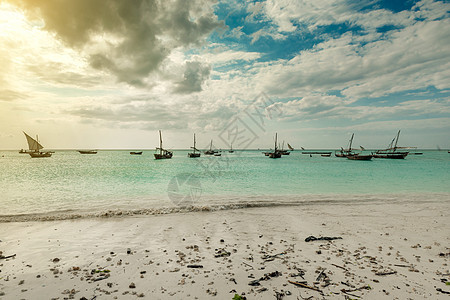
194,154
163,153
358,156
391,151
344,152
231,149
282,151
136,152
35,148
417,153
87,151
275,153
210,151
217,154
21,151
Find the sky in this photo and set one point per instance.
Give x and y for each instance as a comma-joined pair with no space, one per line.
109,74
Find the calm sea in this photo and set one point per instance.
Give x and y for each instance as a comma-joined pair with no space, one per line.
70,184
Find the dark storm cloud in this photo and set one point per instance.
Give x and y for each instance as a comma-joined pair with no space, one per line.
129,39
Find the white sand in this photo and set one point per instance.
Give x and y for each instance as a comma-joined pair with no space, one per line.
375,238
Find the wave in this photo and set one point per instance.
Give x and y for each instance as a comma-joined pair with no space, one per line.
232,203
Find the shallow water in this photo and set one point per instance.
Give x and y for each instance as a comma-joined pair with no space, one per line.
75,184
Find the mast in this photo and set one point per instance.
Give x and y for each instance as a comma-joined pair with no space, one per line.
194,142
275,142
351,141
160,142
398,134
210,146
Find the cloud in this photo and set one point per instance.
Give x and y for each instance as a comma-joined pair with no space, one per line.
412,58
128,40
195,74
320,107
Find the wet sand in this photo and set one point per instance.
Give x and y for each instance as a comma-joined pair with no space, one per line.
387,250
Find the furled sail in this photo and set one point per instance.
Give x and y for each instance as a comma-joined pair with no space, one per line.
32,143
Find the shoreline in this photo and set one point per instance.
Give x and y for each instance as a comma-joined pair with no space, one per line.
232,202
406,244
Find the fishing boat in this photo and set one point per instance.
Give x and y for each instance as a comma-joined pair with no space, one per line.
21,151
344,152
282,151
210,151
87,151
194,154
163,153
391,151
231,149
217,154
358,156
275,153
35,147
136,152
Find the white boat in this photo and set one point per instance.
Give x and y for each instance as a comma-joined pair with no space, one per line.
35,147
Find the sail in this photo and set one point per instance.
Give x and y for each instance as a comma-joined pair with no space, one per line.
290,147
33,144
362,148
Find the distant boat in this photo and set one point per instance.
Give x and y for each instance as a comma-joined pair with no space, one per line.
87,151
358,156
231,149
344,152
417,153
35,147
163,153
391,151
217,154
194,154
282,151
136,152
210,151
21,151
326,155
275,153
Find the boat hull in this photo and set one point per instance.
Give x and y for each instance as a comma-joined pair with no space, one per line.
395,155
359,157
274,155
40,154
193,155
162,156
136,153
87,152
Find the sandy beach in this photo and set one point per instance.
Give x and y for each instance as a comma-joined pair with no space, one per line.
385,250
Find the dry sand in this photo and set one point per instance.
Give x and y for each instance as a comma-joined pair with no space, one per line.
388,251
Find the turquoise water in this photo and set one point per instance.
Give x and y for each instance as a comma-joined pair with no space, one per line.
73,183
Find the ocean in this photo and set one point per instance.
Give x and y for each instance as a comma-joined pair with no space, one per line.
113,182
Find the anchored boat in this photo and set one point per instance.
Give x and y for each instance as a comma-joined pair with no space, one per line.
163,153
194,154
391,151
